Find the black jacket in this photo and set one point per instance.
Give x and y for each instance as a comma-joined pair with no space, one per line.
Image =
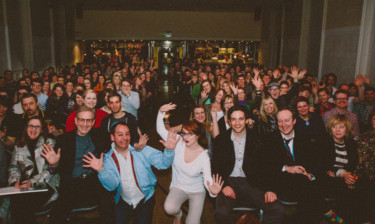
274,156
223,158
67,144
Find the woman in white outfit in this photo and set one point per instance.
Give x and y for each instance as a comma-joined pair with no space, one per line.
191,171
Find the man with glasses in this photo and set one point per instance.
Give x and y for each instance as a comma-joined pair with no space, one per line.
36,89
79,184
341,107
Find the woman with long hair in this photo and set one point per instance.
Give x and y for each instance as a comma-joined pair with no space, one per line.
99,87
57,106
29,167
90,101
207,93
116,79
267,116
226,103
191,171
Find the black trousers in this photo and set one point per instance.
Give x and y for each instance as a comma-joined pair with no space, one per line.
297,187
245,193
79,192
23,206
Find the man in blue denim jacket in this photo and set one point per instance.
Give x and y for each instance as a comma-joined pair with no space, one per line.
129,173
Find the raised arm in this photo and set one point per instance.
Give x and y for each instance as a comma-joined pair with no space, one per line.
160,127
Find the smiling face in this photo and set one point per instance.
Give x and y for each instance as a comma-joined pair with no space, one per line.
199,115
121,137
219,95
341,100
228,103
238,121
34,129
284,89
59,92
84,121
114,104
339,131
90,100
323,97
269,107
87,83
285,122
302,108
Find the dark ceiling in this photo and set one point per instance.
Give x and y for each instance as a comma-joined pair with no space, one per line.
175,5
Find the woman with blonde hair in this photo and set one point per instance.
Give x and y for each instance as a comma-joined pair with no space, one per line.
339,159
267,116
116,79
90,101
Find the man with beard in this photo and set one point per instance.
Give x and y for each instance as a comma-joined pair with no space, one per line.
118,115
29,104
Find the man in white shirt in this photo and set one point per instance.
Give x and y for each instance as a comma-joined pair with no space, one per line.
128,171
235,159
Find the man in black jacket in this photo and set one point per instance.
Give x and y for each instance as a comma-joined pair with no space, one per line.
79,185
289,165
234,158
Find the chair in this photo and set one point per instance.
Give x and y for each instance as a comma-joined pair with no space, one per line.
249,208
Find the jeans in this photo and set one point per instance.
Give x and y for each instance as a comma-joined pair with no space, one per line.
142,213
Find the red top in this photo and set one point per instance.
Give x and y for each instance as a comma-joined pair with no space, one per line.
71,124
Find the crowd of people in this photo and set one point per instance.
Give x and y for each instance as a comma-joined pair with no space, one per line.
254,136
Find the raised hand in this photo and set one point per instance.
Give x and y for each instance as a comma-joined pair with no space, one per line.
257,82
172,140
366,80
216,185
142,142
314,87
167,107
358,81
234,88
50,155
294,72
302,74
256,72
93,162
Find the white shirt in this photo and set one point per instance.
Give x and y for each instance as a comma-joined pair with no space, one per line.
239,151
130,192
290,145
17,108
190,177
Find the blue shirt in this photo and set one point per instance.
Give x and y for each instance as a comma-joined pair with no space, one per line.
84,145
130,103
42,100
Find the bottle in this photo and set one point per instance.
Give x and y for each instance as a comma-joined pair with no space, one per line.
352,186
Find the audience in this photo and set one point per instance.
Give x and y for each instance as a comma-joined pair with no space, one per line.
243,117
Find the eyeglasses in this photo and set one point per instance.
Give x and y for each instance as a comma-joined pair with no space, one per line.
38,127
188,134
228,103
341,98
83,121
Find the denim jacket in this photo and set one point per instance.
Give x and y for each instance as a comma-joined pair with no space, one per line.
142,160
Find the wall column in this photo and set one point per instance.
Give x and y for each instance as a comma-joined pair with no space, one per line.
366,38
26,29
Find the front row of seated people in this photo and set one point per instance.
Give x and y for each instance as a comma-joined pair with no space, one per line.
261,172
